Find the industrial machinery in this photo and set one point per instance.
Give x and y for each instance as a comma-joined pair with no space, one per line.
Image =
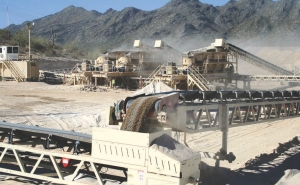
216,63
200,111
50,78
171,68
221,57
107,66
144,57
99,63
86,65
208,60
142,150
197,69
120,60
123,64
68,157
126,66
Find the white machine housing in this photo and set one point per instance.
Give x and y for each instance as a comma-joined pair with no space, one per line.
147,164
219,43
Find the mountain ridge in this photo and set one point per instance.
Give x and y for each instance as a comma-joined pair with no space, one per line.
178,20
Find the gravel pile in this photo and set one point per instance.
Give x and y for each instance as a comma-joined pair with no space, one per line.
154,88
92,88
172,148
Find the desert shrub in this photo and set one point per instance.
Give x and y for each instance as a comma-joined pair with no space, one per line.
39,44
5,36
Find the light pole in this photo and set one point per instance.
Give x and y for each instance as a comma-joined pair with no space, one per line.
29,26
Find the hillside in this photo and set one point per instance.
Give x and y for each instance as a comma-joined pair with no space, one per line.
179,21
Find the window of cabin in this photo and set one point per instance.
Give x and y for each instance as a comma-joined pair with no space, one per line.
9,50
0,50
15,49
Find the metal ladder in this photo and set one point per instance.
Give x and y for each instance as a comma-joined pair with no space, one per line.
15,70
151,77
194,77
70,81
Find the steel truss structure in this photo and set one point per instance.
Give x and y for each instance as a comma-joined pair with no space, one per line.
30,161
275,78
221,110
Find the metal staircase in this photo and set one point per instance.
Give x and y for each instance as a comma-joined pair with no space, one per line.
15,70
195,78
151,77
254,60
70,81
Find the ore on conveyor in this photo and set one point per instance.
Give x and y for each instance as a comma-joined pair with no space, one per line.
169,146
137,113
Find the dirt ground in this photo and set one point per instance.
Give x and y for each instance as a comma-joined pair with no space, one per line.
67,108
55,106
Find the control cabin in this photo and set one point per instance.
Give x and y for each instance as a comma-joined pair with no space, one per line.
16,66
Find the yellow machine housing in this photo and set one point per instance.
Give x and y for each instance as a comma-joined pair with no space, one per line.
100,60
107,66
124,61
186,62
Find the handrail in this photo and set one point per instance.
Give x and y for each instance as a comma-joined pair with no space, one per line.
151,78
198,79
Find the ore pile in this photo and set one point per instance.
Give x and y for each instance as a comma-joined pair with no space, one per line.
154,88
169,146
92,88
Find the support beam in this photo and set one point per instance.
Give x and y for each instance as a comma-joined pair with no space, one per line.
223,117
37,164
56,167
100,181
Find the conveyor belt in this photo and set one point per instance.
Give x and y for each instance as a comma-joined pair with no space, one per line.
137,113
238,95
271,78
25,134
261,63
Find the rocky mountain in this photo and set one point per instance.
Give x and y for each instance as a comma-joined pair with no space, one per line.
179,21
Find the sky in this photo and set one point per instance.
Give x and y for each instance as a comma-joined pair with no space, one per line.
19,11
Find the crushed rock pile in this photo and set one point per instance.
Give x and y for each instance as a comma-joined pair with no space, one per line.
154,88
169,146
92,88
